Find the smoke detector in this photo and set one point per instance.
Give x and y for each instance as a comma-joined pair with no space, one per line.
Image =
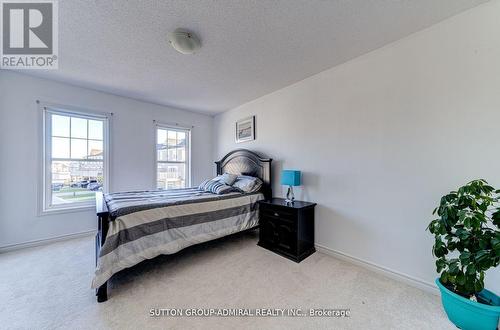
184,42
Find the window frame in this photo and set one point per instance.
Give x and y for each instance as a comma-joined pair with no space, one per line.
178,128
45,184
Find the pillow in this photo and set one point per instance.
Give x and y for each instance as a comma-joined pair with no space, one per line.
228,178
248,184
203,184
215,186
207,181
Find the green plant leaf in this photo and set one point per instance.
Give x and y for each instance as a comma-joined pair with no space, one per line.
469,284
483,244
440,265
444,277
471,269
453,267
481,255
467,222
495,243
478,286
488,189
464,257
496,218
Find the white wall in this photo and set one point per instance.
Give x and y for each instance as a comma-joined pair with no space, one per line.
381,138
132,151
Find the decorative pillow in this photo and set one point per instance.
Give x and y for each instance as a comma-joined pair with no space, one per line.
228,178
204,184
207,181
219,188
248,184
215,186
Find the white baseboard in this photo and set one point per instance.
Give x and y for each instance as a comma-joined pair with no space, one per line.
413,281
44,241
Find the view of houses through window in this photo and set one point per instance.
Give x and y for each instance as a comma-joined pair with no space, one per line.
74,158
172,149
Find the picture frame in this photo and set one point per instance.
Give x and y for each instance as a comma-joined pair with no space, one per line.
245,129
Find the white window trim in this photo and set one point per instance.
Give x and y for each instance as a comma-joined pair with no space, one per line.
44,186
172,127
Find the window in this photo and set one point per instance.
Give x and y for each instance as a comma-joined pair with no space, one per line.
75,158
172,157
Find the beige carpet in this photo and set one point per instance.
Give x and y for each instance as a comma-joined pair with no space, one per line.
48,287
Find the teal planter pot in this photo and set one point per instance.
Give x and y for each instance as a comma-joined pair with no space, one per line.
470,315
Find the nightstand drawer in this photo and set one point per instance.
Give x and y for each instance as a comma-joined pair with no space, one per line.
278,213
290,222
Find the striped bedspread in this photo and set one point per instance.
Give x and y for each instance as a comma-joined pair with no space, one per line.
146,224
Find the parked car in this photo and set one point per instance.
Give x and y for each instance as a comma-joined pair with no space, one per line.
82,184
79,184
94,185
57,186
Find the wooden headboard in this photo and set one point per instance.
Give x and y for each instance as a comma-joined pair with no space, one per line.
246,162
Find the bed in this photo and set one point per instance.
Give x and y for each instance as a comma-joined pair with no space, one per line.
139,225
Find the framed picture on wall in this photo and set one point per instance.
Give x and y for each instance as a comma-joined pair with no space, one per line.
245,129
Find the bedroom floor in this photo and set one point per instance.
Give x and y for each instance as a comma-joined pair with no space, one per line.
48,287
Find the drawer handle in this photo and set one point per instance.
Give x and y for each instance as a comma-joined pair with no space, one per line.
276,214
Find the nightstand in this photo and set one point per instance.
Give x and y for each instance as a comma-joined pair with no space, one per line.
287,229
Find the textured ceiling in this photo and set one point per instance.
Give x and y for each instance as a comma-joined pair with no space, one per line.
250,48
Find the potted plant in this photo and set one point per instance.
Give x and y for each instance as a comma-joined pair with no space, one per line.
467,244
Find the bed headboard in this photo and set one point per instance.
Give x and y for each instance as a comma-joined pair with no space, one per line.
246,162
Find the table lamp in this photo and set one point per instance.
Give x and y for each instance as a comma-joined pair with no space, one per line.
290,178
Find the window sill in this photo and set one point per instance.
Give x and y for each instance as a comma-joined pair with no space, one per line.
74,209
